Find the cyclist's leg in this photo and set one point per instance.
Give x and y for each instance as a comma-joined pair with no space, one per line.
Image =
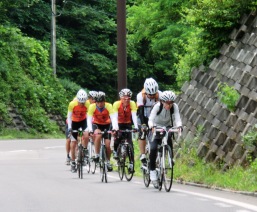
97,141
152,157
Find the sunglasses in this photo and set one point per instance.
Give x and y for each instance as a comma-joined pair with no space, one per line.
151,94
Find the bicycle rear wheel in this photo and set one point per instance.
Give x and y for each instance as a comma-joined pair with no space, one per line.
129,163
120,163
168,168
146,172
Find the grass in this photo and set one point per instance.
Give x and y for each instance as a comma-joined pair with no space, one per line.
190,168
17,134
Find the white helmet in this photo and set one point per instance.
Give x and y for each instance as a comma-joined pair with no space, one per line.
150,86
81,96
100,96
125,92
92,94
167,96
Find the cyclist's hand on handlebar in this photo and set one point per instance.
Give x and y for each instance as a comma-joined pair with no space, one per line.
180,128
91,133
114,132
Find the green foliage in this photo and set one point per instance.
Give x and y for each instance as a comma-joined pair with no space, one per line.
228,95
250,138
28,81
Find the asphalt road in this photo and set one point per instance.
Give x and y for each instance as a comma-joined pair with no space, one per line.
34,177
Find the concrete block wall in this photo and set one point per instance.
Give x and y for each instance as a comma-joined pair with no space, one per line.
199,105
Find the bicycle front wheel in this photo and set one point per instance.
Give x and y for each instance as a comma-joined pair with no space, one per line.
146,172
91,155
168,168
120,163
80,162
129,163
103,164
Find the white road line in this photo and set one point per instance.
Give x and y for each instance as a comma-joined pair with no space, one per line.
228,201
53,147
223,205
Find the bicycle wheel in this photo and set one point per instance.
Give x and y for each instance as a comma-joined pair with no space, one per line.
87,165
146,172
91,154
129,163
120,163
103,164
168,168
80,162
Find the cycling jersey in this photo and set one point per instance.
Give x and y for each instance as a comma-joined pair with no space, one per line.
124,114
79,112
102,116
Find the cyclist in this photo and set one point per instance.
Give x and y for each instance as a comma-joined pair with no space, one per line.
124,109
77,114
99,118
145,100
91,97
161,115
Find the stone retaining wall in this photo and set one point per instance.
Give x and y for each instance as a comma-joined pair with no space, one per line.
236,66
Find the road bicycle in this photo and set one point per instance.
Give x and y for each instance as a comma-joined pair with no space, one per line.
103,157
125,153
90,162
164,160
80,153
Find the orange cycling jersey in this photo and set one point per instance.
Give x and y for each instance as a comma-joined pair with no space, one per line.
124,113
100,115
79,112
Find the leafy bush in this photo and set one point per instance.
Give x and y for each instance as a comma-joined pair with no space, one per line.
28,82
250,138
228,95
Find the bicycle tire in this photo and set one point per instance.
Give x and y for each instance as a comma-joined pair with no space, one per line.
103,165
91,154
146,172
80,162
88,165
168,168
129,159
120,163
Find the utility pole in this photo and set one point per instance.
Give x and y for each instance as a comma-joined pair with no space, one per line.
121,44
53,36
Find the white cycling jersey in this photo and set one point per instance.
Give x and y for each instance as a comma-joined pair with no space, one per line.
148,104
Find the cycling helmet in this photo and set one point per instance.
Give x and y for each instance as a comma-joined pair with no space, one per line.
150,86
92,94
125,92
100,97
81,96
167,96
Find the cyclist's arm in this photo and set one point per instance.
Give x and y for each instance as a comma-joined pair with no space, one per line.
140,109
178,122
113,115
134,113
153,114
69,119
91,110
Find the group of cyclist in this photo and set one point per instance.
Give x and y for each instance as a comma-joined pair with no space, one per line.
93,114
